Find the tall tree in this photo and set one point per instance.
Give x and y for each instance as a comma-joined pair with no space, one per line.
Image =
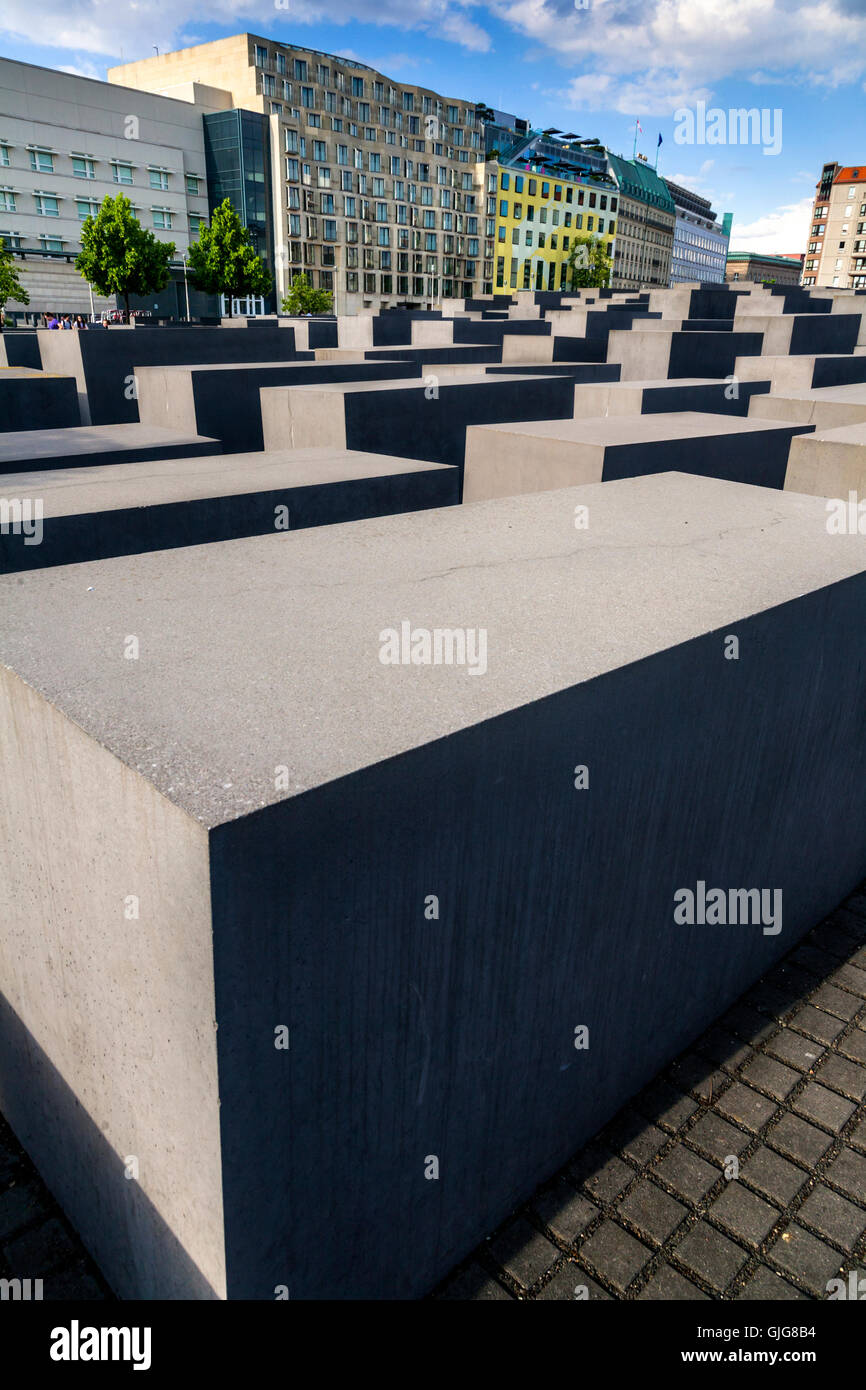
10,285
224,261
119,256
303,299
588,262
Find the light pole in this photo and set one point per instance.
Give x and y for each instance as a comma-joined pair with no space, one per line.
185,285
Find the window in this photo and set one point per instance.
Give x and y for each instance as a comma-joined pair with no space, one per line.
82,167
320,150
46,205
122,172
12,239
307,97
4,155
261,56
300,69
42,161
7,200
158,178
503,208
357,86
269,85
86,208
329,227
505,181
196,222
162,218
51,243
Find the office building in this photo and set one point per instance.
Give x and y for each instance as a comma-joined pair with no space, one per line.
700,246
645,226
754,265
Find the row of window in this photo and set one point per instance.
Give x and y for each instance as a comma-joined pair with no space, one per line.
43,161
358,87
584,195
362,114
48,205
551,270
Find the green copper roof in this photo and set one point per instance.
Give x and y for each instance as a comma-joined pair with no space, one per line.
640,181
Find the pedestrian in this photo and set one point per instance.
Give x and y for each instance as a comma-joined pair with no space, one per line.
53,321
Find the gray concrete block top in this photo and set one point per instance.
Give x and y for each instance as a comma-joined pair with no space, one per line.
264,653
115,486
609,431
18,446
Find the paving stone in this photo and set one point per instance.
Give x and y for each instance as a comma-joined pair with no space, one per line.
709,1254
854,1045
687,1174
836,1001
665,1105
767,1286
574,1284
832,1216
476,1285
815,1024
614,1254
693,1073
724,1049
797,1139
819,961
748,1024
652,1211
774,1176
717,1137
770,1076
73,1284
565,1211
824,1107
743,1214
743,1104
795,1049
848,1171
637,1139
842,1075
667,1285
806,1258
850,977
523,1252
605,1180
21,1203
41,1250
857,1137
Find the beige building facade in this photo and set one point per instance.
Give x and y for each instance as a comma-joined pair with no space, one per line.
836,249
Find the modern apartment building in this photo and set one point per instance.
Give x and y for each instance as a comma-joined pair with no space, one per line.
754,265
376,187
836,249
645,226
66,142
537,219
700,246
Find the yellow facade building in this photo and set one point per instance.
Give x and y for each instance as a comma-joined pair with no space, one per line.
537,218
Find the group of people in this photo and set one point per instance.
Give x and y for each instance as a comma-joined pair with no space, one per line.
63,321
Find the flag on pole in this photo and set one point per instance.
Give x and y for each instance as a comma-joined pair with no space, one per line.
660,139
639,126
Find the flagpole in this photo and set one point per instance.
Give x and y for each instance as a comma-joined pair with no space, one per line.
634,146
658,147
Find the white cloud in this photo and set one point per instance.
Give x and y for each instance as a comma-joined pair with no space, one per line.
784,229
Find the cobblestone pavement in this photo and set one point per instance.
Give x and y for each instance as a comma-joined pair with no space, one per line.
646,1210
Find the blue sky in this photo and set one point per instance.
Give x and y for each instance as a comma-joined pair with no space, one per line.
586,65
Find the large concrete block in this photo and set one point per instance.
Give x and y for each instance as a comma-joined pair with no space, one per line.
665,396
19,348
35,400
104,361
32,450
130,508
248,824
827,408
833,464
425,421
504,460
802,373
223,401
649,354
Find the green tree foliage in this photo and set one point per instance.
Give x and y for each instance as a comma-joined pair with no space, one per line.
119,256
10,285
224,261
588,262
303,299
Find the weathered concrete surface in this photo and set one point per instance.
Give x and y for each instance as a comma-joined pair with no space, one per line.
653,397
455,1034
104,361
130,508
803,373
33,400
829,407
650,354
833,464
222,400
408,419
504,460
27,450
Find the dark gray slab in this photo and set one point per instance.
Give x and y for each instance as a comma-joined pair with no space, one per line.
33,400
28,450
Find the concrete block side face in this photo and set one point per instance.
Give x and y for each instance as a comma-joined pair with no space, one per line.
825,468
431,933
60,353
301,418
166,398
501,464
107,1040
38,403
